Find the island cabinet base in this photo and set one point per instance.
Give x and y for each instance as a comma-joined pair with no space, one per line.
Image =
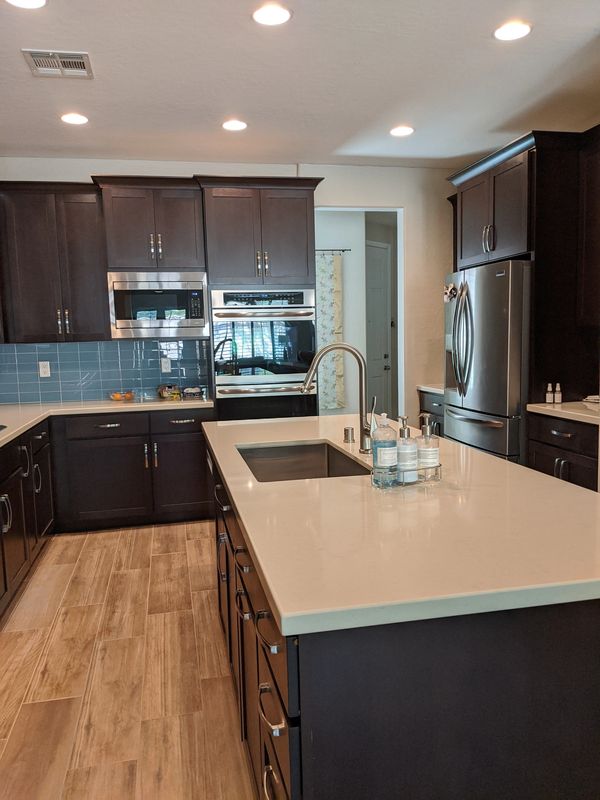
495,706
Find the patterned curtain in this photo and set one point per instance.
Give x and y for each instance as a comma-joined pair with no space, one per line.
330,329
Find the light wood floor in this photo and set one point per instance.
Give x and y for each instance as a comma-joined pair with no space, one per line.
114,681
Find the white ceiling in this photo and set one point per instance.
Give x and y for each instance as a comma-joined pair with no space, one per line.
325,88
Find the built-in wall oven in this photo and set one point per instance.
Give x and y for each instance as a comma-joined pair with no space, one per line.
264,342
158,305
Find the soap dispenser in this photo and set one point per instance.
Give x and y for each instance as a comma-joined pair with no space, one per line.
428,450
407,455
385,455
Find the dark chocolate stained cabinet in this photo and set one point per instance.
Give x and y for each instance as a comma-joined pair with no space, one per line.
565,449
259,231
588,294
153,223
53,263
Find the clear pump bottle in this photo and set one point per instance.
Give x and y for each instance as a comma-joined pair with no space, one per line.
385,455
428,450
407,454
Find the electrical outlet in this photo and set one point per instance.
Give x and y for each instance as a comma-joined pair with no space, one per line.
165,364
44,369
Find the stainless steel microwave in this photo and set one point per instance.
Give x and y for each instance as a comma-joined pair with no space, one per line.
158,305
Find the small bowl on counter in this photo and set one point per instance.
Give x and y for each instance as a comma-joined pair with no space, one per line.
123,397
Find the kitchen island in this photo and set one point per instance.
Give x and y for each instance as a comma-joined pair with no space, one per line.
441,641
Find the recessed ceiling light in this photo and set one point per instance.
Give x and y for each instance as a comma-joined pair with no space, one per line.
511,30
271,14
234,125
27,3
73,118
402,130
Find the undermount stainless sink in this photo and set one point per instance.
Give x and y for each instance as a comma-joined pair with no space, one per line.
293,461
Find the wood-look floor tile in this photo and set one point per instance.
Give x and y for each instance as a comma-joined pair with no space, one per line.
109,724
125,605
172,763
227,774
37,606
212,653
169,584
168,539
102,782
19,654
36,756
64,548
65,662
171,682
92,572
201,561
202,529
102,539
134,549
2,746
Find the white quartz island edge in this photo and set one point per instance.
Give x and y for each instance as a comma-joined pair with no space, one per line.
335,553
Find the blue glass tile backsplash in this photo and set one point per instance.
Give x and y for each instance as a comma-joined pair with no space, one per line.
91,370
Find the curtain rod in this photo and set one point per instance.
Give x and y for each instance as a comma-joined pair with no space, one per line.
333,250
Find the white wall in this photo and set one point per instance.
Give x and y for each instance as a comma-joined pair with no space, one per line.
346,229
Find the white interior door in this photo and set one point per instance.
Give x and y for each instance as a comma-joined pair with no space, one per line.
379,320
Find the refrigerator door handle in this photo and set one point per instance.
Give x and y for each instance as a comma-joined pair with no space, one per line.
455,324
482,423
467,314
460,359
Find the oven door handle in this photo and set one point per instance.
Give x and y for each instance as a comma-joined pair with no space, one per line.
309,312
242,390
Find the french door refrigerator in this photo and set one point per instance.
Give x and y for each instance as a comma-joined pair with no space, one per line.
487,357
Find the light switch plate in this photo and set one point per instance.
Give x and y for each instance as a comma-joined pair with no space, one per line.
44,369
165,364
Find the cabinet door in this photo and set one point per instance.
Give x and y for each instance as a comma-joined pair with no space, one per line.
568,466
179,228
473,216
130,229
14,536
249,672
109,479
222,576
42,482
233,239
83,267
509,208
33,302
288,235
588,287
179,475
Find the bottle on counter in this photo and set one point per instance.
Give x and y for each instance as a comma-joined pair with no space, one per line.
558,394
385,455
407,455
428,450
550,393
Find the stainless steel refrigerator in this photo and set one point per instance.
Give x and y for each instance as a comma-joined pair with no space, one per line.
487,357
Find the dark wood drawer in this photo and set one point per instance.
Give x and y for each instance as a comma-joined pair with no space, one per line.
431,403
39,437
186,420
100,426
578,437
283,737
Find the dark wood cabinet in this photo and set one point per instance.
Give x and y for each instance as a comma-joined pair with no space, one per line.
36,458
153,223
13,529
565,449
179,474
53,264
563,464
432,403
259,231
42,487
588,278
473,216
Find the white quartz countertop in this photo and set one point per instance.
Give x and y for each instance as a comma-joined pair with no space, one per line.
581,412
336,553
19,418
434,388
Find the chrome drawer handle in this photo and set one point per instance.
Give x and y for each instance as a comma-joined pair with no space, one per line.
39,436
25,449
273,648
160,247
562,435
245,616
561,473
152,251
182,421
5,501
268,772
37,472
221,540
146,459
278,728
109,425
219,503
245,568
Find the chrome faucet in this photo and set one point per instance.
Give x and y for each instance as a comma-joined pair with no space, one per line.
365,426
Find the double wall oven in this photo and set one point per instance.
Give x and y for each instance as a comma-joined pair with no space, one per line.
264,342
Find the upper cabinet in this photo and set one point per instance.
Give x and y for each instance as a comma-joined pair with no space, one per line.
53,263
259,231
493,213
588,295
153,223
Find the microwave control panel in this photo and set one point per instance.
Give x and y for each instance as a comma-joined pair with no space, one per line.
196,305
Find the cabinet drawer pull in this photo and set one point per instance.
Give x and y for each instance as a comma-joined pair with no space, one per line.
266,259
26,473
278,728
219,503
182,421
155,453
59,321
109,425
160,249
146,459
152,251
268,773
556,466
562,435
5,501
561,473
245,616
37,472
67,321
483,239
491,238
258,264
245,568
273,648
39,436
221,540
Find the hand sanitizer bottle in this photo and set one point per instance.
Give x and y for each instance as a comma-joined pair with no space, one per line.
428,450
407,455
385,455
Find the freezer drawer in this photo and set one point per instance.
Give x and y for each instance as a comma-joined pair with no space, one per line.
498,435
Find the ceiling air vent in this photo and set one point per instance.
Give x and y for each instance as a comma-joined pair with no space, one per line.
58,64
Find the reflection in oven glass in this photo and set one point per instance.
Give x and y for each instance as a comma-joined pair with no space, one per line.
275,347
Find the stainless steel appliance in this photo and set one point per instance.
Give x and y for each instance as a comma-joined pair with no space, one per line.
158,305
264,342
487,356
